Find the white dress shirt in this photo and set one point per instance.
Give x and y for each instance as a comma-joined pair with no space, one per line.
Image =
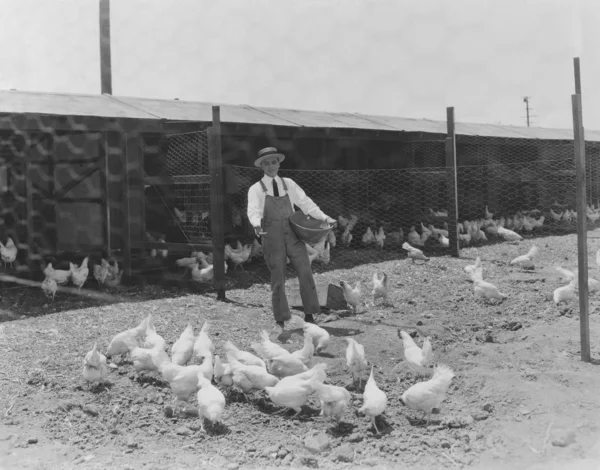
256,199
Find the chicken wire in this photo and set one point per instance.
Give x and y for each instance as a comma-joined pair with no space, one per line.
187,165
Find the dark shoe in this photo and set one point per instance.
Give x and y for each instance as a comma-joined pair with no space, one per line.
309,319
278,328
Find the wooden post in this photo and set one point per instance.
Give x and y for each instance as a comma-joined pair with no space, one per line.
130,142
451,184
577,70
105,57
581,228
106,194
217,200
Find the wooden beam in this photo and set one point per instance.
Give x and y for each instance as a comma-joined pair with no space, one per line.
451,184
204,245
105,58
73,183
582,255
167,180
217,203
66,123
31,252
106,194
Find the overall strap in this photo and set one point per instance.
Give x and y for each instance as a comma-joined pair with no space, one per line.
264,188
284,185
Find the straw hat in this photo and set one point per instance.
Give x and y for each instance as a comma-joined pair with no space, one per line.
266,153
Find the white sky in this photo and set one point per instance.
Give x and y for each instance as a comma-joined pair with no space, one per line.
409,58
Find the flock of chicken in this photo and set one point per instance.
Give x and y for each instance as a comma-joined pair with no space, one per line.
105,273
284,376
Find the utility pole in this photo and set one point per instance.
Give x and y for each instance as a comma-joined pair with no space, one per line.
526,101
105,62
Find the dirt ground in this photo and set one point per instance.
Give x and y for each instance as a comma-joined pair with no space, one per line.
522,398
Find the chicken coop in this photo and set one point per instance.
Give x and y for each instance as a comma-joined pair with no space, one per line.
130,177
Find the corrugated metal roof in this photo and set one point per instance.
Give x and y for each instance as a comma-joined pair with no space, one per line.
18,102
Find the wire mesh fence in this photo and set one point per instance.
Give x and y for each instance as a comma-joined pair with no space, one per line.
63,194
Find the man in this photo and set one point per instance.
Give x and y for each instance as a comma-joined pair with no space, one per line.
272,200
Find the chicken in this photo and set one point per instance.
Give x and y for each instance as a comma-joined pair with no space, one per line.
425,396
114,277
352,296
183,380
79,274
355,359
149,359
526,261
331,239
414,253
374,400
413,237
203,345
509,235
248,378
418,359
243,356
487,290
183,349
128,339
267,349
593,284
100,271
239,256
49,287
211,402
564,293
222,373
306,353
488,214
291,394
202,274
188,262
334,400
324,256
313,254
285,365
320,336
8,252
257,249
380,237
94,367
380,287
152,338
445,242
317,371
470,269
61,276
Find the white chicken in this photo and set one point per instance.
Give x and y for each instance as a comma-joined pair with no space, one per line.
183,349
222,373
509,235
334,400
414,253
248,378
380,237
244,357
49,287
469,269
320,336
352,296
285,365
380,287
564,293
374,400
355,359
291,395
267,349
417,358
8,252
94,367
79,274
425,396
487,290
203,345
306,353
152,337
123,342
61,276
526,261
211,402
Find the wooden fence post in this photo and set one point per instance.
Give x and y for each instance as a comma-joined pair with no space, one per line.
217,200
451,185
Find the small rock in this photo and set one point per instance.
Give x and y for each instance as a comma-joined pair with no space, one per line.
479,415
343,453
168,411
131,443
563,438
233,466
318,443
525,411
282,453
370,462
271,449
183,431
92,410
32,440
488,407
355,437
419,323
66,405
309,462
445,445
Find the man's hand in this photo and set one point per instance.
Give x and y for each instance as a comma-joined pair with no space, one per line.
258,231
331,221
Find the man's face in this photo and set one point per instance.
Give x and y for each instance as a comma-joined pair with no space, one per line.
270,166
